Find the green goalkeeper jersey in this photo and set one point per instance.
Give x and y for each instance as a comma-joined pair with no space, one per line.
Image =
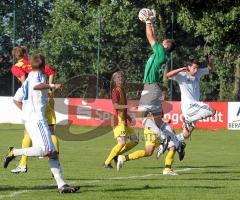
154,67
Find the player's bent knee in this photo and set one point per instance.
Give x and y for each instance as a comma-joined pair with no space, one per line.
148,154
149,151
51,154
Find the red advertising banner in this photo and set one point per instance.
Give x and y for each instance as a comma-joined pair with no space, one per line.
173,111
99,112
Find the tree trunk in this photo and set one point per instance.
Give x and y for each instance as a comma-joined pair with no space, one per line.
236,90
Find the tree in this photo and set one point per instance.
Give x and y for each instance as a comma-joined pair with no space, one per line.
217,23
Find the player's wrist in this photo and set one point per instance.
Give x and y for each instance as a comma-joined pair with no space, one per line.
51,86
148,22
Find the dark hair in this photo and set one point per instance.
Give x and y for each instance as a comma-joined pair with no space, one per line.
38,61
194,61
172,45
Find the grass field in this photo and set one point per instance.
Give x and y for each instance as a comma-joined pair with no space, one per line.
210,170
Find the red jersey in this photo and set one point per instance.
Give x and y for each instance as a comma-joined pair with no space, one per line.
23,67
119,97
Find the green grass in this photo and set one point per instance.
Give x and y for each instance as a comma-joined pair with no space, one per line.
212,156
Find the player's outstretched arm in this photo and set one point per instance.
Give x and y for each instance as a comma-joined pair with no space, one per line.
44,86
175,71
151,33
210,63
119,107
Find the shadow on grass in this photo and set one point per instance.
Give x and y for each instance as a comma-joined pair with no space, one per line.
223,172
147,187
204,167
37,188
207,179
189,166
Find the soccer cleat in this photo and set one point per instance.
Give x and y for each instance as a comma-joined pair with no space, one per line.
108,166
181,150
68,189
171,172
9,157
159,152
120,162
19,169
165,144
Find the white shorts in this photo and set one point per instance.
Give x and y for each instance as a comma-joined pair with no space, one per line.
191,109
40,135
151,99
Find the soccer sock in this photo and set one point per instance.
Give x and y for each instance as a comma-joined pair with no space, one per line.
201,114
149,124
169,160
26,142
127,147
55,142
115,151
180,137
55,167
32,151
167,130
135,155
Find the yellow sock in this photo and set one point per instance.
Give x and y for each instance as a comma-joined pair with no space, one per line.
26,142
169,160
115,151
55,142
135,155
127,147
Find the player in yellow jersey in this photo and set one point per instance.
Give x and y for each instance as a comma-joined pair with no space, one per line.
19,71
126,138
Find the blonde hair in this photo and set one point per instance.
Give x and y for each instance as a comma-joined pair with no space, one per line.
17,53
112,83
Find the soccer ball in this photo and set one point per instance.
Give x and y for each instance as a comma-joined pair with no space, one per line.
144,14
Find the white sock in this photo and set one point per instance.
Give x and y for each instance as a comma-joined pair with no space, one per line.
201,114
180,137
167,130
31,151
55,167
148,123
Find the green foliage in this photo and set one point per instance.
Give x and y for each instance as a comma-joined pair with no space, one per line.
218,26
67,31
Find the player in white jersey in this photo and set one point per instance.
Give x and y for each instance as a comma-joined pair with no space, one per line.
188,79
32,98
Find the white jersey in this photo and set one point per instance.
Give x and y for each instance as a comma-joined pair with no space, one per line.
189,86
34,101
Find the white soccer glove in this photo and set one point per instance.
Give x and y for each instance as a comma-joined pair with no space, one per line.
144,14
152,16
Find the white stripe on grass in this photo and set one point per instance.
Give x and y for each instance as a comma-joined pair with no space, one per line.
13,194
